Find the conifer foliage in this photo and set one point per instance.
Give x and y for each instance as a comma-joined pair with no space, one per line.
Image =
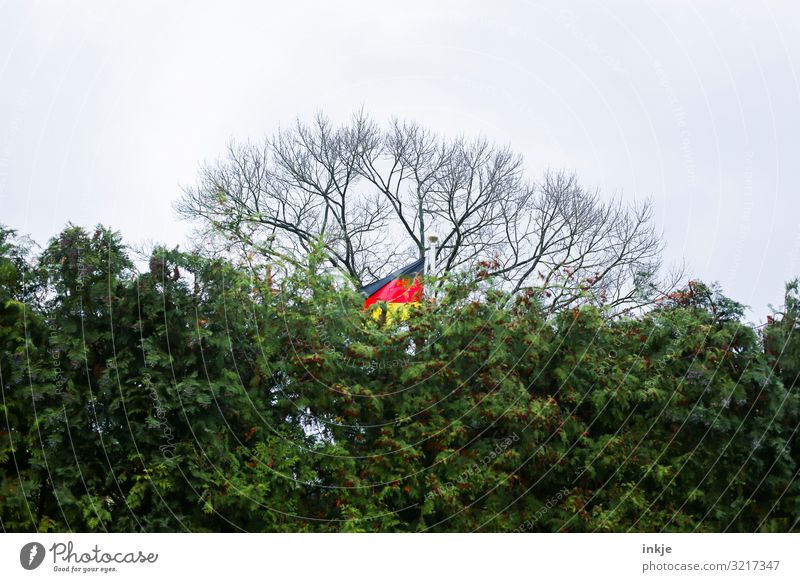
199,395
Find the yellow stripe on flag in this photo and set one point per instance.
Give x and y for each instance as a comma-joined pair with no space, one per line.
395,312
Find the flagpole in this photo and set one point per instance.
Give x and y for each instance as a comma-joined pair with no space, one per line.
433,239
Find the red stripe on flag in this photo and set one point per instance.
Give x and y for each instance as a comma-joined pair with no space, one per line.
397,291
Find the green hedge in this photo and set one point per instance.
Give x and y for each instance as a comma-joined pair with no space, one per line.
197,397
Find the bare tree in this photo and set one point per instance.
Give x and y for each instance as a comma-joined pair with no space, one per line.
369,195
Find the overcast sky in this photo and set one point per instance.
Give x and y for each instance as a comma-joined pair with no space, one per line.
107,108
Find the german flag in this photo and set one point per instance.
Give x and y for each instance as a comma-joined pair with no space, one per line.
399,291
